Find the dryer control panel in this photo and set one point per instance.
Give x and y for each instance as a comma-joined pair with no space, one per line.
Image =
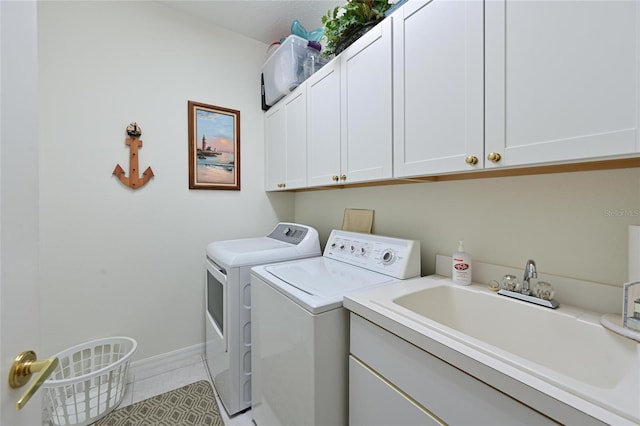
395,257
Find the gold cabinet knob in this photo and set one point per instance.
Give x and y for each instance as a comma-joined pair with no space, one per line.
343,177
472,160
335,178
282,185
494,157
23,367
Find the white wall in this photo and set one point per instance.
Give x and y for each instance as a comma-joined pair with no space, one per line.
118,261
571,224
113,260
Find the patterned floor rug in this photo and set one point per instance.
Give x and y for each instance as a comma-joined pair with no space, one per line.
191,405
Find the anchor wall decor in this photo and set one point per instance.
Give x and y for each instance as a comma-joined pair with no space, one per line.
133,181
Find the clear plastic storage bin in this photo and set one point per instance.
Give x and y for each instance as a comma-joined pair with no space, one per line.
89,381
283,70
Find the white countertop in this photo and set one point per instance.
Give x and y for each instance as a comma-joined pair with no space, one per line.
617,404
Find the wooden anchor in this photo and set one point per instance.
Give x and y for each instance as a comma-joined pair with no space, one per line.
133,181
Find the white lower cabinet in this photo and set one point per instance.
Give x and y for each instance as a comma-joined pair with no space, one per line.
403,384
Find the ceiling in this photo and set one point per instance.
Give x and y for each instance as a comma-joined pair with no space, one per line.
263,20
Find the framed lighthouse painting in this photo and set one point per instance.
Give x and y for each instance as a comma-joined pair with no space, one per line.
214,147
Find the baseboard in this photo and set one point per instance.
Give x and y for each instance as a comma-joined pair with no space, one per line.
158,364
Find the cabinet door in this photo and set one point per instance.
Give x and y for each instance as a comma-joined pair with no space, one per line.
375,402
438,87
561,80
366,123
274,147
296,139
323,125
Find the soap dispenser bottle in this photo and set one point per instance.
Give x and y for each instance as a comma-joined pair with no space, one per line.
461,266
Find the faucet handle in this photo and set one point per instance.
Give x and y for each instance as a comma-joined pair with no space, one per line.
543,290
510,282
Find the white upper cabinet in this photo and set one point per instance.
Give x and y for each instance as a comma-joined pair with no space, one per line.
323,125
438,87
366,107
349,113
296,131
274,147
561,80
447,86
286,143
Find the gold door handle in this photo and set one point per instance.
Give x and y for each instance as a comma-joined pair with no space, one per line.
23,367
471,160
334,178
343,177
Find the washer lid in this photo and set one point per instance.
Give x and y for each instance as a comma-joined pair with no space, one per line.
325,278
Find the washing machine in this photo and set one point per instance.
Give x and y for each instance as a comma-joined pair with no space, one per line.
228,303
300,330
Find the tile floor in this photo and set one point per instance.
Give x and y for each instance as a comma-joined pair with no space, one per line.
174,378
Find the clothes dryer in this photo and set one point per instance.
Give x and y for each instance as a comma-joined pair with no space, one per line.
228,303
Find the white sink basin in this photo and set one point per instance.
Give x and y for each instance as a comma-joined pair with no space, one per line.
583,350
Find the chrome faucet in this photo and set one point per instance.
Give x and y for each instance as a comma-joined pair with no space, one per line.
529,272
525,293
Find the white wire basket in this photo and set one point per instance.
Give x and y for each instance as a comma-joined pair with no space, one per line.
89,381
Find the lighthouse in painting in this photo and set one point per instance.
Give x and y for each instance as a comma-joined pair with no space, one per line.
206,151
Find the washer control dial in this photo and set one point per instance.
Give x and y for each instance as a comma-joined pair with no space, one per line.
388,257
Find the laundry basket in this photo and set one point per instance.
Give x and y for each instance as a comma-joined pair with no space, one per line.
89,381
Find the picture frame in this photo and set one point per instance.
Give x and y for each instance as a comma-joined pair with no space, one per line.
214,147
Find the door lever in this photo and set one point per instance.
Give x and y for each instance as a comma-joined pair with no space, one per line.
23,367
